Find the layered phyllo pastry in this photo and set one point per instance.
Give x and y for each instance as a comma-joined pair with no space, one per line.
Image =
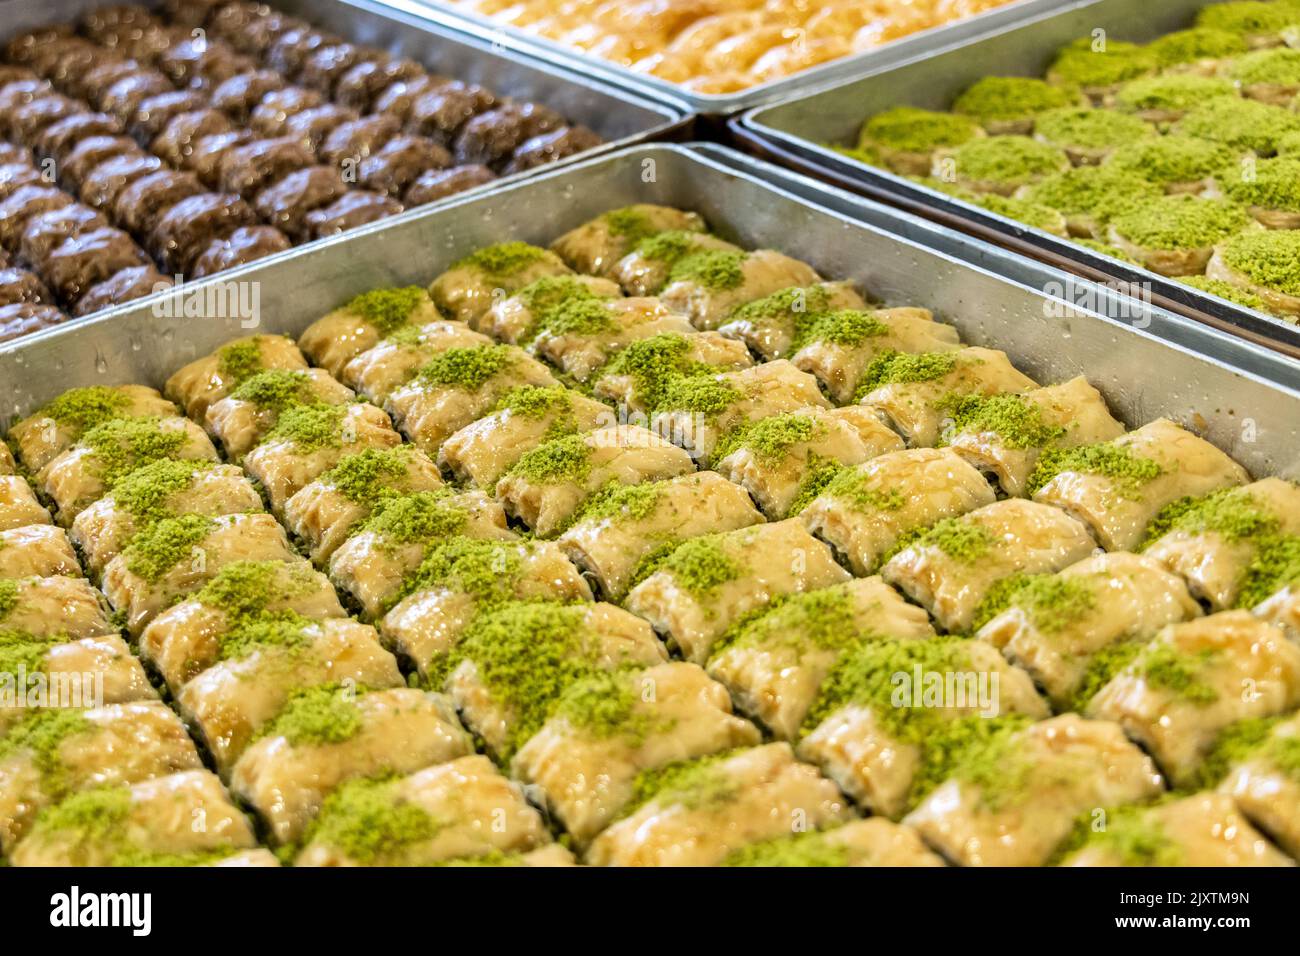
597,246
777,325
339,336
36,551
390,363
57,425
707,286
1259,759
469,287
213,377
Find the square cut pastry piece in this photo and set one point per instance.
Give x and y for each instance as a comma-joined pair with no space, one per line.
635,376
213,377
871,842
53,607
784,460
244,417
707,286
839,346
1012,801
264,663
379,370
1213,541
624,528
707,584
19,505
308,440
460,386
472,284
328,509
460,810
1196,678
176,556
79,476
1054,626
1119,487
328,735
554,644
1265,784
608,728
773,326
913,392
57,425
1204,829
548,486
646,269
705,809
1005,435
863,512
37,551
372,565
484,450
189,637
775,664
954,566
883,741
337,337
457,579
167,488
580,336
142,824
597,245
517,318
50,754
699,410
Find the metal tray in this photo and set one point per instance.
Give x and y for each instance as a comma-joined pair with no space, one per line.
917,44
1147,366
793,133
619,116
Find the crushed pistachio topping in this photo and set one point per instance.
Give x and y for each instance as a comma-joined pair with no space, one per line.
1180,91
1016,420
364,476
821,472
124,444
858,490
1267,257
616,502
388,309
1289,144
1251,739
654,364
770,439
912,130
695,784
996,98
1101,192
1130,835
1225,290
1230,512
143,494
1243,124
558,461
1163,665
467,368
629,223
1051,601
1031,214
41,734
847,327
94,816
245,589
1180,222
788,307
418,517
83,408
958,538
901,368
8,595
1276,565
1172,159
310,427
281,630
542,296
1103,666
1250,17
487,570
275,389
670,246
536,401
238,360
367,821
1127,471
1082,65
822,619
578,317
1089,129
1008,159
19,649
701,565
317,716
163,545
716,269
808,849
502,260
707,395
1198,43
1273,184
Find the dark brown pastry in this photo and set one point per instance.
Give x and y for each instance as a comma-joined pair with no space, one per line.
154,113
27,122
125,285
66,58
441,112
150,43
13,72
310,127
89,153
292,48
244,245
550,147
9,154
260,33
190,226
89,257
46,232
224,20
108,25
24,203
26,46
59,138
19,285
287,202
358,138
195,13
125,96
400,163
204,159
246,169
140,205
398,98
361,84
270,115
100,186
17,94
238,96
178,137
13,176
198,63
100,77
24,318
355,208
441,183
490,138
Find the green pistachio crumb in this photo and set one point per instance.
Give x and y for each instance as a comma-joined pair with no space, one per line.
122,445
160,547
81,409
317,716
1180,222
1198,43
913,130
715,269
1169,160
1002,98
502,260
1008,160
310,427
1267,257
388,309
1128,472
1240,123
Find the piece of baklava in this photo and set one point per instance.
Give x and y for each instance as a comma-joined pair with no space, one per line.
391,362
597,246
1264,780
242,419
646,269
638,376
777,325
57,425
707,286
37,551
211,378
472,284
872,842
580,336
339,336
520,317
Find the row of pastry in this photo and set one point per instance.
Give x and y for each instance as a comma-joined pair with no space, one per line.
563,710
